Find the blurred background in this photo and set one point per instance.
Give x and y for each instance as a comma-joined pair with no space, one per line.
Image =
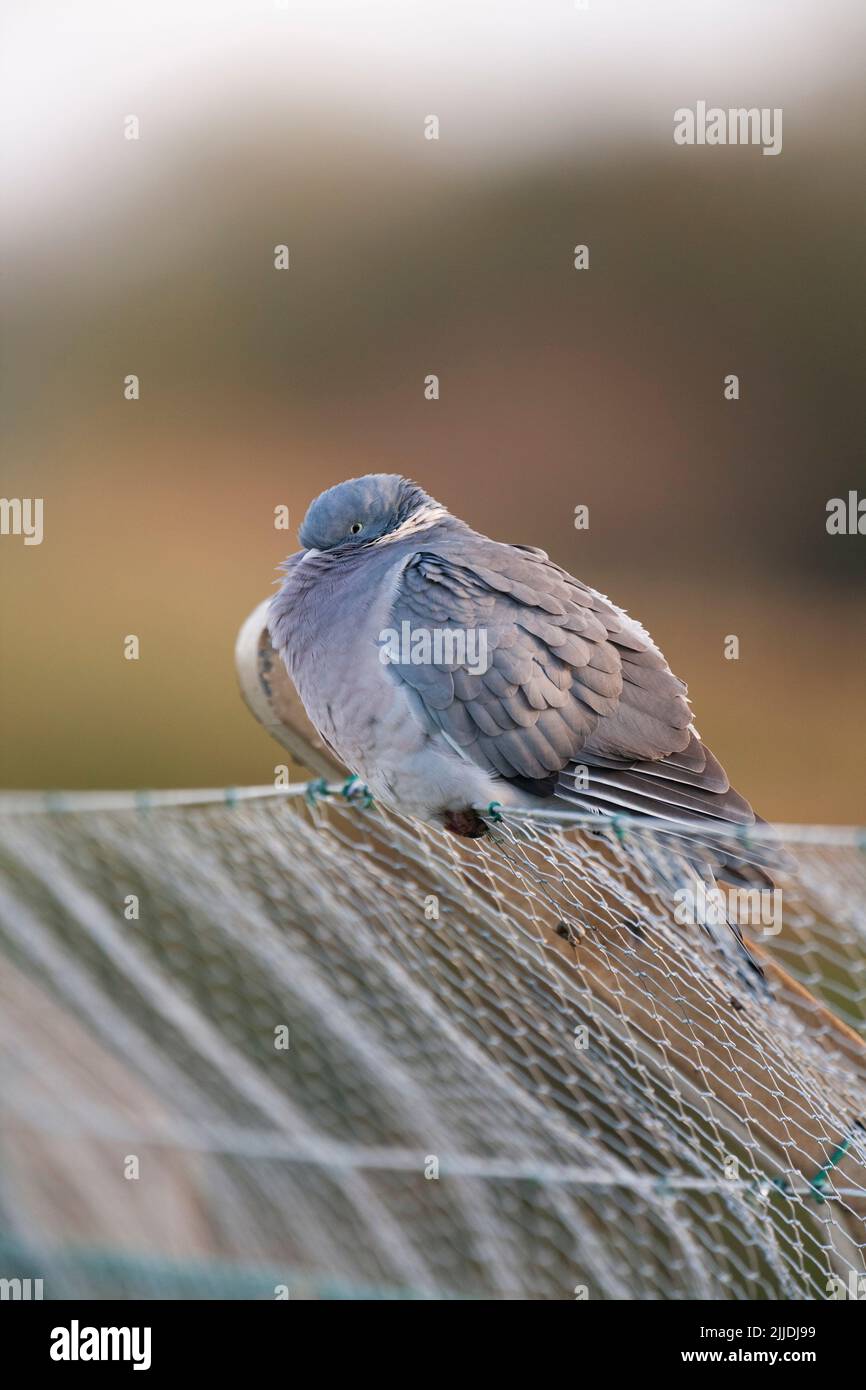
303,124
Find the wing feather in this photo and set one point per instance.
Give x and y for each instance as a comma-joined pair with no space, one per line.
566,671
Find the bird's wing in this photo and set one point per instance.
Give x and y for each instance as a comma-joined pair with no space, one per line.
567,672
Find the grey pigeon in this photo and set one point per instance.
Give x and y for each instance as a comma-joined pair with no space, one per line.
570,700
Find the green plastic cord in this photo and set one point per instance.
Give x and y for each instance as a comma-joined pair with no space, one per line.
315,789
820,1178
354,790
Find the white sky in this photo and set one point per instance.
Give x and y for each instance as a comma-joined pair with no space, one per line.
503,76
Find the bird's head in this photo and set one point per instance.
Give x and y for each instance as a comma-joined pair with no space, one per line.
362,511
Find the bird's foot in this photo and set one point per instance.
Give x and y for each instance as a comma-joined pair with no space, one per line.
466,823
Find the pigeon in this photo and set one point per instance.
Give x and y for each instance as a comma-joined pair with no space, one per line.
451,672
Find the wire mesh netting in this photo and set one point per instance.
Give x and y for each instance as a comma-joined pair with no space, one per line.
264,1047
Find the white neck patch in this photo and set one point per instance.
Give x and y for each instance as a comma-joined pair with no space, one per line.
426,516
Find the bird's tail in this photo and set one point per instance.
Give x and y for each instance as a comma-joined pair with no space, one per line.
673,795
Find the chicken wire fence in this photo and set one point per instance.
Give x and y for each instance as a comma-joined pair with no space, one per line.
290,1045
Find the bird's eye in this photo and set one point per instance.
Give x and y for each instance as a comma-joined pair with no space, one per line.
355,527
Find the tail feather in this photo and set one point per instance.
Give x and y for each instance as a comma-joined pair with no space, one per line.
688,789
